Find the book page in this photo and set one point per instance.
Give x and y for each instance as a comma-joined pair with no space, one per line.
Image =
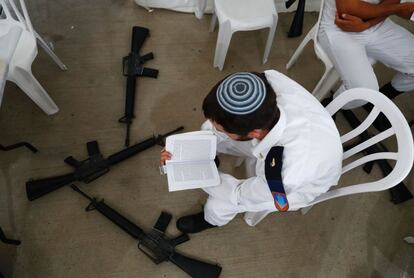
191,147
189,175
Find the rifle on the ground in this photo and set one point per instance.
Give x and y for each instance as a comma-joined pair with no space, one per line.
91,168
297,23
400,192
155,244
6,240
132,68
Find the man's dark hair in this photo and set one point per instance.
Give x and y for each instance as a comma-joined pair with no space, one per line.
265,117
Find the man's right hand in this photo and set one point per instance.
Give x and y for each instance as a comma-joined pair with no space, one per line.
164,156
350,23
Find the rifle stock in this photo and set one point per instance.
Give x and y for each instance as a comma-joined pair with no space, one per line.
297,23
195,268
38,188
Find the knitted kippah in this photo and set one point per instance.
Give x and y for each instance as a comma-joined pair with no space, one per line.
241,93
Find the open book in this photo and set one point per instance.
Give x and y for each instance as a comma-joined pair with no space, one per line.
192,162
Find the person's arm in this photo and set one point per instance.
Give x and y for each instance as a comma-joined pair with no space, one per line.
367,11
350,23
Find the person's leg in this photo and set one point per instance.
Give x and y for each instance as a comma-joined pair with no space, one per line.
226,200
221,207
349,57
393,46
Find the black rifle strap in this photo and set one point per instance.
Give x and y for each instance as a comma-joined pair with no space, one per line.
93,148
162,222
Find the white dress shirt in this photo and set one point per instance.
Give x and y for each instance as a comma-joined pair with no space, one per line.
312,158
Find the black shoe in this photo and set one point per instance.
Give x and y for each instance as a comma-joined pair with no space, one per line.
193,223
390,91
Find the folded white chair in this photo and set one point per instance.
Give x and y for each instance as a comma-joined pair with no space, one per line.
403,157
242,15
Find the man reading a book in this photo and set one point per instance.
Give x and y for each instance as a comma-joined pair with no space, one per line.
289,142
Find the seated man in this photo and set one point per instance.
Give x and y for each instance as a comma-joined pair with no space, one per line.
353,32
287,137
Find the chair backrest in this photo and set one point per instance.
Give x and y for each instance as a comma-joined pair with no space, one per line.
403,157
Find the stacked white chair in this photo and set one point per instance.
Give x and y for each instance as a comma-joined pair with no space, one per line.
403,157
19,56
242,15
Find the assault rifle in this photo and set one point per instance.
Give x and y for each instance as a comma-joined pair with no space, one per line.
155,245
91,168
400,192
132,68
297,23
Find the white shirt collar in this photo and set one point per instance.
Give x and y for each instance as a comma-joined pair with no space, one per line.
271,139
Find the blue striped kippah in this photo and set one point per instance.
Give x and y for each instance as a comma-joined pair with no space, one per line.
241,93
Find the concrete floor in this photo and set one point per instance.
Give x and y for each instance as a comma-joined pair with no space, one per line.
356,236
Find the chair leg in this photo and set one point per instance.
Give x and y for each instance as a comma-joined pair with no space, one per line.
213,22
253,218
223,42
305,210
50,52
270,38
409,239
324,86
200,8
302,45
28,83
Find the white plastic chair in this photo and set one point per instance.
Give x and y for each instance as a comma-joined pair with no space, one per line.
409,239
330,76
47,47
23,55
242,15
403,157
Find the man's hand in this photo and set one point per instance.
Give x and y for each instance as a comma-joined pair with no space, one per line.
408,10
350,23
164,156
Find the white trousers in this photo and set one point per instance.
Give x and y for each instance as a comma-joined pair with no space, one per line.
351,53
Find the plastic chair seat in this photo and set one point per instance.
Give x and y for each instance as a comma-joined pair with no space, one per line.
246,15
